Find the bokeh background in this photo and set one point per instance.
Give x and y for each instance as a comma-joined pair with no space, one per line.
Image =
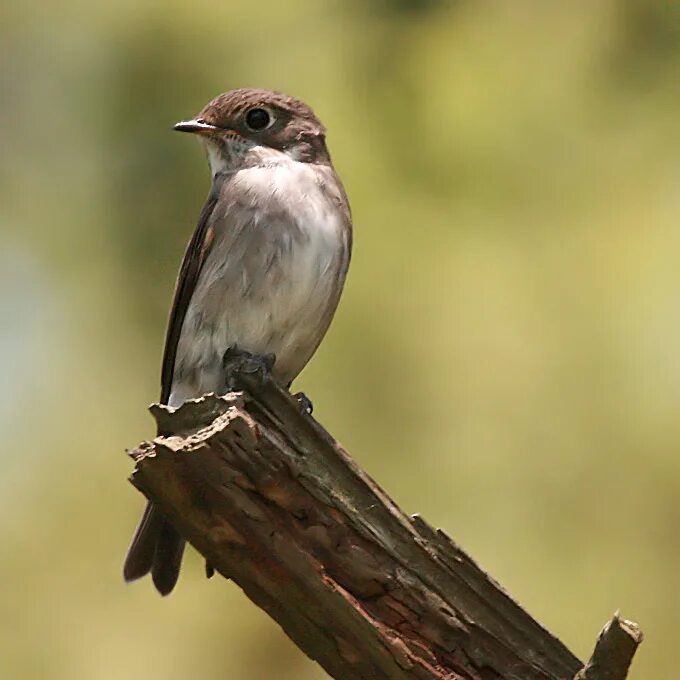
506,358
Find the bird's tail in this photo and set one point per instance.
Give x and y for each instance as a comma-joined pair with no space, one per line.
157,548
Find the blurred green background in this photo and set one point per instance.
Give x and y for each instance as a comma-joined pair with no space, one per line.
505,360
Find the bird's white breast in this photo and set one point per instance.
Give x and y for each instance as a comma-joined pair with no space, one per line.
273,287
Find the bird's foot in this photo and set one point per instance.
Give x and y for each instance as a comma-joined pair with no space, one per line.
236,361
304,402
209,570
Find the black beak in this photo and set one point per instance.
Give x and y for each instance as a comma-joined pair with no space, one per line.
198,127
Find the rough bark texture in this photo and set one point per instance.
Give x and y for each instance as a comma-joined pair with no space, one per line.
613,651
274,503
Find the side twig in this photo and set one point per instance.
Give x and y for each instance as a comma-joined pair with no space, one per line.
613,652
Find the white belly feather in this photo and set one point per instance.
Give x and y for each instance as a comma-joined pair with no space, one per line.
274,288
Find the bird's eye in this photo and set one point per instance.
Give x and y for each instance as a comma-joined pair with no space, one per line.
258,119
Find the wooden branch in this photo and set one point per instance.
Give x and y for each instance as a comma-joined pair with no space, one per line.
274,503
613,651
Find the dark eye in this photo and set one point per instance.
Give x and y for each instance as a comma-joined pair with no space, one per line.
258,119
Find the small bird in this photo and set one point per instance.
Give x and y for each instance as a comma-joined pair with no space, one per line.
263,271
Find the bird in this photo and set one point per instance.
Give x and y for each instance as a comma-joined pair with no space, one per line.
262,274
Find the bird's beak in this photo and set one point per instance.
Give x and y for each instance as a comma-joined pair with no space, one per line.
198,127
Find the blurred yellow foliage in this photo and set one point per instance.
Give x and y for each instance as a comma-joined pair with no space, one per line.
506,359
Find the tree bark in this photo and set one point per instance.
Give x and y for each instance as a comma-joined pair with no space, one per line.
274,503
613,651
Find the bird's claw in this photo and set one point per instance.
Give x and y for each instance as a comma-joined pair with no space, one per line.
304,402
236,361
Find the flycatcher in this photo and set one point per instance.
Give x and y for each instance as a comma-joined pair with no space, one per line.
263,271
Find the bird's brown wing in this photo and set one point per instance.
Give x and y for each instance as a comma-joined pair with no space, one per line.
193,261
156,546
